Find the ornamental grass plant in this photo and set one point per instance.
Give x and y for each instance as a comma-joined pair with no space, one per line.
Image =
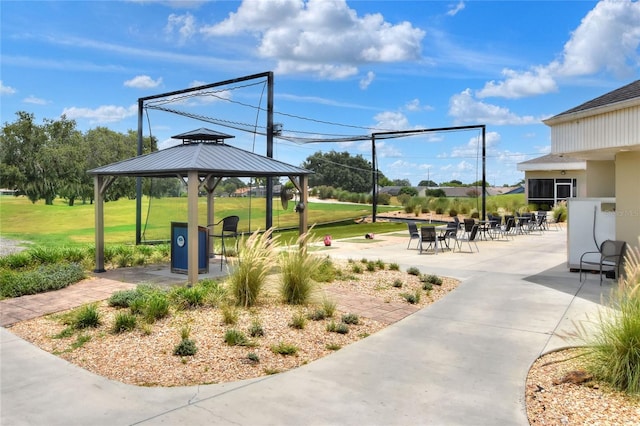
298,268
257,257
613,343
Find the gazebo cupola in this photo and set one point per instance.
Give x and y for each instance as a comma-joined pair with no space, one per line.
202,135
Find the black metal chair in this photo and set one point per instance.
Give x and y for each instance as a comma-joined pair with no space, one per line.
428,235
414,234
610,256
469,237
448,234
229,230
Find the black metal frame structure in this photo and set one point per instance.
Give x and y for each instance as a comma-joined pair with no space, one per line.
141,105
400,133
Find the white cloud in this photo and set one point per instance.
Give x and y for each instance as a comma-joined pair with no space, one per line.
143,82
390,120
520,84
606,40
326,38
367,80
474,147
465,109
6,90
185,25
35,101
414,105
454,9
102,114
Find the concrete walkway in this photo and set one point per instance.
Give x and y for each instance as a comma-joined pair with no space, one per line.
463,360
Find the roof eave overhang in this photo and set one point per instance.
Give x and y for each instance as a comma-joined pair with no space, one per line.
564,118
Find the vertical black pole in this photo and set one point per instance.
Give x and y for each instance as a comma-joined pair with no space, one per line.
484,173
269,205
374,179
139,179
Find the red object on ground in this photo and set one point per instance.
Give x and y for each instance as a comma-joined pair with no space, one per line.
327,240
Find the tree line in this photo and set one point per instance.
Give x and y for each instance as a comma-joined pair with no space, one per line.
49,160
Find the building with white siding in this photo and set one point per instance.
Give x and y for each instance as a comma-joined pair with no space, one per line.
604,133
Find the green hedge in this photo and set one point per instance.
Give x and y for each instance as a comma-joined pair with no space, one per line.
41,279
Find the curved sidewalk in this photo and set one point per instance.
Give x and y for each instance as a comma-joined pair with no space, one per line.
463,360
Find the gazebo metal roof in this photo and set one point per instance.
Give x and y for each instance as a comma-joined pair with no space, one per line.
202,135
217,159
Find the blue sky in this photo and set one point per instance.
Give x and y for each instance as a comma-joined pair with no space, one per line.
341,68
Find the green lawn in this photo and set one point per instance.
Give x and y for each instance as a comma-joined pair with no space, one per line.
59,224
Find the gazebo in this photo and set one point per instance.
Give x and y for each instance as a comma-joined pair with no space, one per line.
204,159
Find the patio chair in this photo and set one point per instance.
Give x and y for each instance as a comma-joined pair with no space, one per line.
428,235
448,234
507,228
229,230
468,237
414,234
609,257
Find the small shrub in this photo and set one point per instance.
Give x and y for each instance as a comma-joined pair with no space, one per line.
333,346
124,321
380,264
255,329
233,337
426,285
87,316
413,271
17,260
326,271
124,298
317,315
431,278
356,268
350,319
43,278
453,213
394,267
283,348
186,347
230,314
188,297
329,306
371,266
156,307
397,283
298,321
340,328
253,357
412,298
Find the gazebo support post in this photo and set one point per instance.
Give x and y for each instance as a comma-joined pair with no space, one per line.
192,226
210,185
100,186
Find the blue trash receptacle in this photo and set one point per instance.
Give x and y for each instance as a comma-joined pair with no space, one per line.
180,248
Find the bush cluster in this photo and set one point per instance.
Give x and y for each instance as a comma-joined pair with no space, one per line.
41,279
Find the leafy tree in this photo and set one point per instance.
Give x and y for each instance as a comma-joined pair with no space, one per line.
429,183
340,170
28,159
400,182
452,183
435,193
408,190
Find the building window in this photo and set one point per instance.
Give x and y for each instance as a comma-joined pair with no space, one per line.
545,193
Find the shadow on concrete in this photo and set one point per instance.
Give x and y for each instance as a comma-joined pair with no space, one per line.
559,278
